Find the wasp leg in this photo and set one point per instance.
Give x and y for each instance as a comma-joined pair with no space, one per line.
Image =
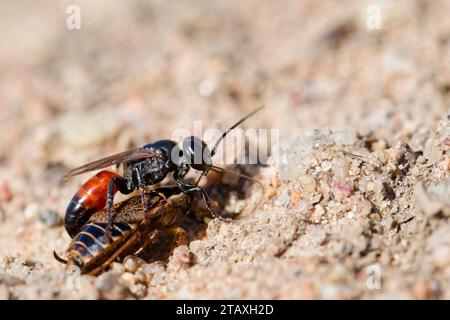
187,188
141,188
121,184
181,171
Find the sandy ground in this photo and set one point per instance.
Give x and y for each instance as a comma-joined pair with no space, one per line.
356,201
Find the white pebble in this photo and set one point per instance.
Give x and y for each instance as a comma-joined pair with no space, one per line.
132,263
106,281
138,290
207,87
127,279
31,210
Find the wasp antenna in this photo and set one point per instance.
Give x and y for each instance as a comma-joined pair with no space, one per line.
219,169
58,258
214,149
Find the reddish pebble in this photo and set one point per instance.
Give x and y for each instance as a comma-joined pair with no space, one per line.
342,189
447,141
5,191
421,290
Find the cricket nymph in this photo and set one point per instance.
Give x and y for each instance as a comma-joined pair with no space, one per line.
131,232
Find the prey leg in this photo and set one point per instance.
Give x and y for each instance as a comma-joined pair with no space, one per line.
160,244
178,235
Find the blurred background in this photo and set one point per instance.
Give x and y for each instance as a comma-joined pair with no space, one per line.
136,70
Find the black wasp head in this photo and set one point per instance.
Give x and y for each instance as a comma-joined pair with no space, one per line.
197,153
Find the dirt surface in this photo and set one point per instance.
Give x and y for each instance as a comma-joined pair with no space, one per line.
356,194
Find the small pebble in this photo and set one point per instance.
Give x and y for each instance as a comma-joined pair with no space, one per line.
182,256
387,222
342,189
417,141
284,199
50,218
432,153
106,281
421,290
154,271
5,191
411,157
317,235
127,279
141,276
308,290
132,263
425,202
118,268
31,210
109,286
4,260
341,248
338,273
329,292
441,256
206,87
138,289
319,211
344,137
11,280
350,215
4,292
379,145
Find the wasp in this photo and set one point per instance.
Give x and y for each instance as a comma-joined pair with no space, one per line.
131,234
144,166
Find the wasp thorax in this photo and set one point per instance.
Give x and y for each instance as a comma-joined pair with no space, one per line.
197,153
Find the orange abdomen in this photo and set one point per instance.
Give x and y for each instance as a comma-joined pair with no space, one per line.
89,199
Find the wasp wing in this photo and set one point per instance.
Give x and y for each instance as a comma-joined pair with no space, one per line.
130,155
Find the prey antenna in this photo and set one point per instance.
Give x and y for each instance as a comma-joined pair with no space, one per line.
58,258
214,149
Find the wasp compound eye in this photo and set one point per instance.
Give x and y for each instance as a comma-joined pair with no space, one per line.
196,153
176,155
